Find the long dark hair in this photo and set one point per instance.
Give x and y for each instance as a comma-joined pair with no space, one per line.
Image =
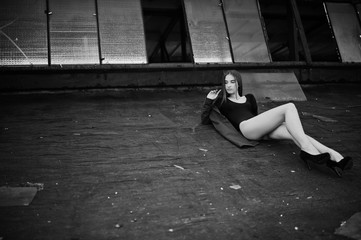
238,78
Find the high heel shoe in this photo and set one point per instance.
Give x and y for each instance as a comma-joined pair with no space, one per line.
318,158
338,167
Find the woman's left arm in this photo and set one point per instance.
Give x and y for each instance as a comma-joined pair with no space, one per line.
253,102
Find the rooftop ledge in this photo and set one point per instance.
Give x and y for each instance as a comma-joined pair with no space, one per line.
173,66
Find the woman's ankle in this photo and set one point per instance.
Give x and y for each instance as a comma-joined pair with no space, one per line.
310,150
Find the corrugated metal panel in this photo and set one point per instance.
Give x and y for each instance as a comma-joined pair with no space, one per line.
73,32
207,31
23,32
347,30
121,31
245,30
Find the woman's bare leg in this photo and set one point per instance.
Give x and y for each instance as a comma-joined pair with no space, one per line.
282,133
266,122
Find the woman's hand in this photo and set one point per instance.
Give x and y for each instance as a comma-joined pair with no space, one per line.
213,94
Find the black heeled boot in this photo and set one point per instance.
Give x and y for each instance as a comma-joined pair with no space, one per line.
338,167
318,159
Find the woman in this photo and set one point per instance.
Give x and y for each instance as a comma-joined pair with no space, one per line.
282,122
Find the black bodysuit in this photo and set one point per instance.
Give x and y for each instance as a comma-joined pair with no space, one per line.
239,112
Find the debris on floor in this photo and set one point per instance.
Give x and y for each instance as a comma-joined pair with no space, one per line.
351,228
178,167
322,118
39,186
16,196
235,186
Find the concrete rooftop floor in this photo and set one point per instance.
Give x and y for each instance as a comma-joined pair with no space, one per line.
137,165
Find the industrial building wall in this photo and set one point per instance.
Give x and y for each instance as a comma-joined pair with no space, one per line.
49,44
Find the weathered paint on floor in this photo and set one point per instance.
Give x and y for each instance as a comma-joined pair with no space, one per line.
137,165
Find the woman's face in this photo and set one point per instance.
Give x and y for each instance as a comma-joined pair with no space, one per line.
230,84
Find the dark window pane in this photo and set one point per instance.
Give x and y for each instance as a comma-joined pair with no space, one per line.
318,32
23,32
165,31
275,15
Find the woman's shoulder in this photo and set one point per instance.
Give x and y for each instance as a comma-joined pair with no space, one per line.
251,99
250,96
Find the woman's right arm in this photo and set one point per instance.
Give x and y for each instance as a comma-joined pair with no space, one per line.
207,106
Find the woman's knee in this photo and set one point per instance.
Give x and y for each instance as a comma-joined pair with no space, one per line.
290,107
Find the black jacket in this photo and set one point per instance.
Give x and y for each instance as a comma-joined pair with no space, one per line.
211,114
